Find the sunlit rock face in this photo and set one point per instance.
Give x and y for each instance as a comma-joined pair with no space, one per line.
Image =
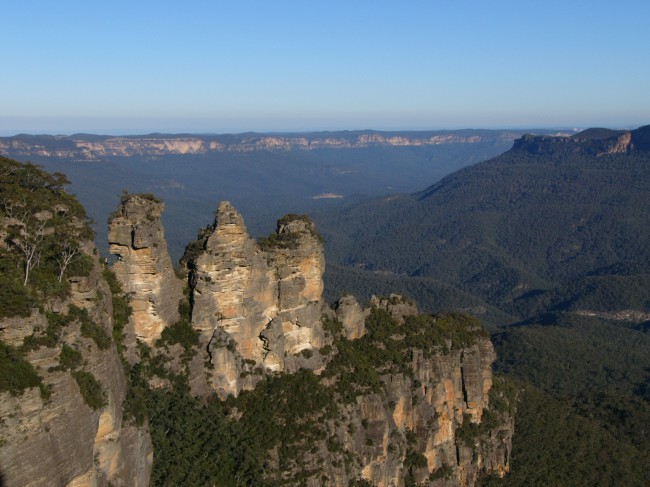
144,268
257,309
407,431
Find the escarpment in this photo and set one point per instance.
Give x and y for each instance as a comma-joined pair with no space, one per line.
62,383
97,148
70,430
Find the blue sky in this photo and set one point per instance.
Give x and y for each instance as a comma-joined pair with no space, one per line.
232,66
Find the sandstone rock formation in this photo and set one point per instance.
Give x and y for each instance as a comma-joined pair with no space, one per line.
256,309
403,398
52,436
349,313
144,267
428,423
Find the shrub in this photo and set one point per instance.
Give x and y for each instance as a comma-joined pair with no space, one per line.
121,309
15,299
69,358
16,373
90,388
89,328
181,333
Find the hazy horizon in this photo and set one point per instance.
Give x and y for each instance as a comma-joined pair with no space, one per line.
123,132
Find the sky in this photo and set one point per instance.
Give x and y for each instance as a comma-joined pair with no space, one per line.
144,66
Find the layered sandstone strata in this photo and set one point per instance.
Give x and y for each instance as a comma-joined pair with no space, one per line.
257,309
144,268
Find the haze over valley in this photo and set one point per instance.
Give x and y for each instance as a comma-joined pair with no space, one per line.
265,175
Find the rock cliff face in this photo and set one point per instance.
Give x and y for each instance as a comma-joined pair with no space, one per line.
428,422
53,436
422,415
92,148
598,142
255,309
62,381
144,267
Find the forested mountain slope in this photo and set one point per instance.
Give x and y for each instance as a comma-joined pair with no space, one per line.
551,217
553,234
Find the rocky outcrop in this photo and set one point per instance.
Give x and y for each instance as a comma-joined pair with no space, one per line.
257,310
631,315
423,415
597,142
352,317
385,394
144,268
53,436
296,255
430,422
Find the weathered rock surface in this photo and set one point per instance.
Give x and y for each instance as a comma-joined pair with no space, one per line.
144,267
409,430
256,310
352,317
61,440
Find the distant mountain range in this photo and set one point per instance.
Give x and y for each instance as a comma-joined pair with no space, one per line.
543,222
87,147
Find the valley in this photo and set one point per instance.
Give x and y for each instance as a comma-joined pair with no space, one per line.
262,175
533,262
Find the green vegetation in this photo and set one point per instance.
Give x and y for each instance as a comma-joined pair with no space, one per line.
522,232
292,415
69,358
90,388
16,373
121,310
413,460
556,443
532,238
583,414
443,472
199,444
44,230
50,337
15,299
387,347
284,239
149,197
95,331
181,332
